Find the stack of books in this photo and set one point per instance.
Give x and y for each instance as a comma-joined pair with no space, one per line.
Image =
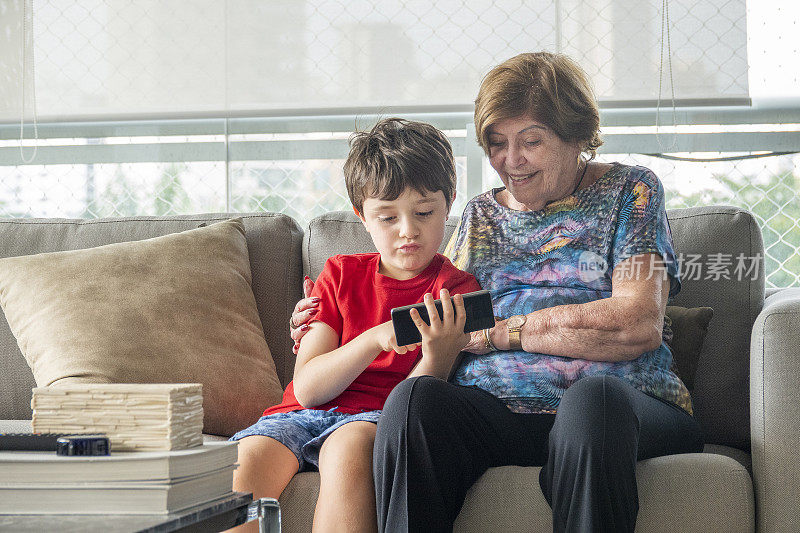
135,417
160,482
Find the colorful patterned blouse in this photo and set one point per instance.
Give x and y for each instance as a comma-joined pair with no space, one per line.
564,254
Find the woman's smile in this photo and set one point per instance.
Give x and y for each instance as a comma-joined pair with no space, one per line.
521,179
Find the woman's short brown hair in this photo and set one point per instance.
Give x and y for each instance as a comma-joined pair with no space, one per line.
397,154
550,88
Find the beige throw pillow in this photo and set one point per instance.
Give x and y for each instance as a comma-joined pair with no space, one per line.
172,309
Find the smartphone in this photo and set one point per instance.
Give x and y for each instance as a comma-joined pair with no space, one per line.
478,306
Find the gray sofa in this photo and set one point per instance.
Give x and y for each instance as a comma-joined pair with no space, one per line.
746,388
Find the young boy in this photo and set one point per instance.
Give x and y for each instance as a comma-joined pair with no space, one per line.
401,180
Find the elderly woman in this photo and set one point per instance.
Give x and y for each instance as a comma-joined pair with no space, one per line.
575,376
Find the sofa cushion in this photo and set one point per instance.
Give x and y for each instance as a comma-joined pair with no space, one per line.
177,308
297,502
687,330
688,492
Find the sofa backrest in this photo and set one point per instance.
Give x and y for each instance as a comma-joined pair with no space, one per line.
721,393
273,240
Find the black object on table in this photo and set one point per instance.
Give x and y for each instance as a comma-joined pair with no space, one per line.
62,444
32,442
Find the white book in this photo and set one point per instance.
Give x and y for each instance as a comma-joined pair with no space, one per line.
123,497
157,390
17,467
134,416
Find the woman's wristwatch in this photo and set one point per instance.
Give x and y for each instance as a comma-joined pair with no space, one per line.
514,325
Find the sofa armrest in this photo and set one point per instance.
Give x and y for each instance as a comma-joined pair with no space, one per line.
775,412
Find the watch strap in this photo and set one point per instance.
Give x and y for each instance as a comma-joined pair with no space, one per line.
515,331
515,339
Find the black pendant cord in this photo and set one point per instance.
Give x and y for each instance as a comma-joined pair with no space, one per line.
585,166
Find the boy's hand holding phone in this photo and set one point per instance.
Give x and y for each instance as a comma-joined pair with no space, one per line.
384,337
444,337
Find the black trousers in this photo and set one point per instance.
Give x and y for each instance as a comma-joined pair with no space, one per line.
435,439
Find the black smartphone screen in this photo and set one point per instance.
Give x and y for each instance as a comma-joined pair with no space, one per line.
478,306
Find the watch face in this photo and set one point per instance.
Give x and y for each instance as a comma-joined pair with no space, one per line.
516,321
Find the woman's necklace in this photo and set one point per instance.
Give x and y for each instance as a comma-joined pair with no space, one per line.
585,166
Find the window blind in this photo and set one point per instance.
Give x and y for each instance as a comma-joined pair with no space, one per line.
121,59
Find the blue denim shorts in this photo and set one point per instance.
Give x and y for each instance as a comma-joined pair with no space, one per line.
304,431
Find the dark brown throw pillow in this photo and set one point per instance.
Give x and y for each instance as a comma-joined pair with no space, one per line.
688,328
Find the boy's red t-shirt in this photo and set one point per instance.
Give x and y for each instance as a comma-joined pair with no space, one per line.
356,297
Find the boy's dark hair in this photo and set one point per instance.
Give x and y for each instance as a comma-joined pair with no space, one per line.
397,154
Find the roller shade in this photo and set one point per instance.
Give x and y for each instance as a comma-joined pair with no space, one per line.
116,59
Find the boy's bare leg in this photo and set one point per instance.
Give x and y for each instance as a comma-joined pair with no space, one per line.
347,494
265,468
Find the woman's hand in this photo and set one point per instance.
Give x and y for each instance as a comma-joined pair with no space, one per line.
304,311
476,344
444,338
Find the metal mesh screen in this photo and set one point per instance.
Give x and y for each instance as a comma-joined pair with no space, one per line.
769,187
118,58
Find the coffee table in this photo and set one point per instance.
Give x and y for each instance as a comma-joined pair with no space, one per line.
217,515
